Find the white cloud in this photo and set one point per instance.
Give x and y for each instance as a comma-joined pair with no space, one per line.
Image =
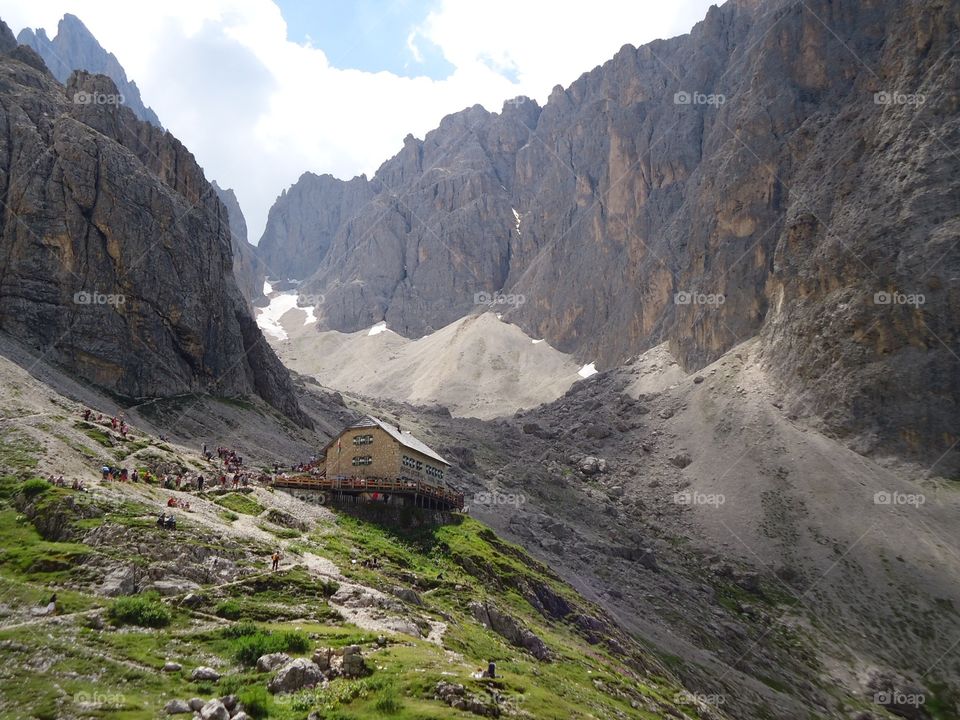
258,110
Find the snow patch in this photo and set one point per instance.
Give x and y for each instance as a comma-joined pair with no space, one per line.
268,318
587,370
516,217
537,342
267,287
311,315
378,328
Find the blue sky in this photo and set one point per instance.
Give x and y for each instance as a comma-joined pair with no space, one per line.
368,35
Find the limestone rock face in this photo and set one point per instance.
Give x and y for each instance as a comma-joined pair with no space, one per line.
248,270
304,220
115,256
757,176
75,48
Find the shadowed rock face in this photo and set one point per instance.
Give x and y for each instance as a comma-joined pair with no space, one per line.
750,162
304,220
115,256
75,48
248,269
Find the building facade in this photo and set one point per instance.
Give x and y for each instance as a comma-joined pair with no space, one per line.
372,448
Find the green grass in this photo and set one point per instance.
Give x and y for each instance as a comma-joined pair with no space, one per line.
238,502
248,648
143,610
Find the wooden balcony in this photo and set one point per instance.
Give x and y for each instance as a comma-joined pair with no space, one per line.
420,493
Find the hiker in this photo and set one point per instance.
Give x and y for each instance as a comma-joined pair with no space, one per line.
51,605
276,560
171,501
105,470
491,669
200,483
135,476
86,414
162,520
171,523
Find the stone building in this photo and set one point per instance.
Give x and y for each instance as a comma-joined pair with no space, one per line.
372,448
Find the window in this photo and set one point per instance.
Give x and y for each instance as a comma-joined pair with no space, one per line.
362,439
362,460
434,472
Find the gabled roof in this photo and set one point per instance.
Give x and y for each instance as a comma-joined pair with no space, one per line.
403,437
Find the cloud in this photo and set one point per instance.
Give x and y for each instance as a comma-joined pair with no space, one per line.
258,110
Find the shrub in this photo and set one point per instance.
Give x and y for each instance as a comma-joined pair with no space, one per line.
143,610
250,647
229,609
33,487
241,629
256,702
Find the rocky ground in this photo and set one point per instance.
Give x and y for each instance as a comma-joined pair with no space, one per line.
782,570
360,620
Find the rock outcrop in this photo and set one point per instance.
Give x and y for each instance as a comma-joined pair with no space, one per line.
75,48
304,220
784,170
115,255
248,270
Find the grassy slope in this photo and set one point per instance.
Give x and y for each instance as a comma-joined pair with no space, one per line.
81,665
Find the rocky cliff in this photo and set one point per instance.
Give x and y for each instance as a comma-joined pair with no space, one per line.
75,48
248,270
115,256
786,169
304,220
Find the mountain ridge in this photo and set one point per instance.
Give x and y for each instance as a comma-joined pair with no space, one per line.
701,190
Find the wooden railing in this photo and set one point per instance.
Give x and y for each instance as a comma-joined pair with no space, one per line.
385,485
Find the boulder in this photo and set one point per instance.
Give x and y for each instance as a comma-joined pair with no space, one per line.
353,663
121,581
172,667
196,703
229,702
214,710
321,658
681,460
268,663
177,707
494,619
296,675
591,465
408,595
204,673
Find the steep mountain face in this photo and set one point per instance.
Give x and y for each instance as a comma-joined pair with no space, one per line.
248,269
786,170
75,48
115,257
304,220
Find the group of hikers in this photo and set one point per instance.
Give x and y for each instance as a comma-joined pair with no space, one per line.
117,423
58,481
111,474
